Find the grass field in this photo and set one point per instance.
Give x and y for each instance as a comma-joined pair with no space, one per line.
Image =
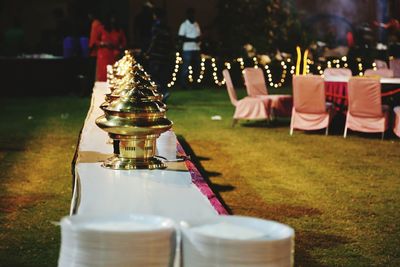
342,196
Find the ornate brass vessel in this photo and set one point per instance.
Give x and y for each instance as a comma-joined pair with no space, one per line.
134,120
117,72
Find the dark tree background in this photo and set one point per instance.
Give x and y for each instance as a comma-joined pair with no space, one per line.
266,24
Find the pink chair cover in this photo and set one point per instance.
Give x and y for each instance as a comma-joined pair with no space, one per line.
309,108
338,91
255,82
396,127
250,108
380,64
395,67
335,72
229,86
365,112
280,105
386,73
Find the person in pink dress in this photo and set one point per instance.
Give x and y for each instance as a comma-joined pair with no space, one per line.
94,37
105,50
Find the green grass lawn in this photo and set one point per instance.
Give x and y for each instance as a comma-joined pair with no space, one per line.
342,196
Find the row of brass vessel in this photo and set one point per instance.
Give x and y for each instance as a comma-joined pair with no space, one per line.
134,116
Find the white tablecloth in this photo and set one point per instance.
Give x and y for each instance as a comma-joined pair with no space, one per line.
102,191
346,79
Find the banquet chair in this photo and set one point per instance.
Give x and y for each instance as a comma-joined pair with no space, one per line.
278,105
335,92
331,73
385,73
248,108
380,64
365,111
396,126
310,111
395,67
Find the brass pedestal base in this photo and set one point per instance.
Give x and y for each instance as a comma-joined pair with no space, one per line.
117,163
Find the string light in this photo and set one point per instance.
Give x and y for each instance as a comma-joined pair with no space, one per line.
241,62
202,70
283,77
360,68
178,60
320,71
309,64
255,62
292,69
286,67
215,71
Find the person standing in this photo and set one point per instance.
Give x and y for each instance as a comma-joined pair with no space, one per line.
105,50
95,32
160,51
189,35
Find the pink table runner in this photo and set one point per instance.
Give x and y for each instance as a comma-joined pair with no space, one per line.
199,181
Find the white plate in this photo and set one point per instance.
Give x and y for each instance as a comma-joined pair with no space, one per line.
117,223
236,241
252,229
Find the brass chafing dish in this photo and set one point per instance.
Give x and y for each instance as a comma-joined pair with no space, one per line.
134,121
140,79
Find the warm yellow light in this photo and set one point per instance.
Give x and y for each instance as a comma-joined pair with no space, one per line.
298,50
305,62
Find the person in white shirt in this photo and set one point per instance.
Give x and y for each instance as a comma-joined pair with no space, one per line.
189,35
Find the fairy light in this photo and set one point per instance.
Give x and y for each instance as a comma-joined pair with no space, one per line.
292,69
215,71
360,68
202,70
190,74
287,66
283,77
255,62
178,61
241,62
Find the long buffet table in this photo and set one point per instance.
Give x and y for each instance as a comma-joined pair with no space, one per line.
178,192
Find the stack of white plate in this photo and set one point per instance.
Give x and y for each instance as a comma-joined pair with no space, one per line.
236,241
117,241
